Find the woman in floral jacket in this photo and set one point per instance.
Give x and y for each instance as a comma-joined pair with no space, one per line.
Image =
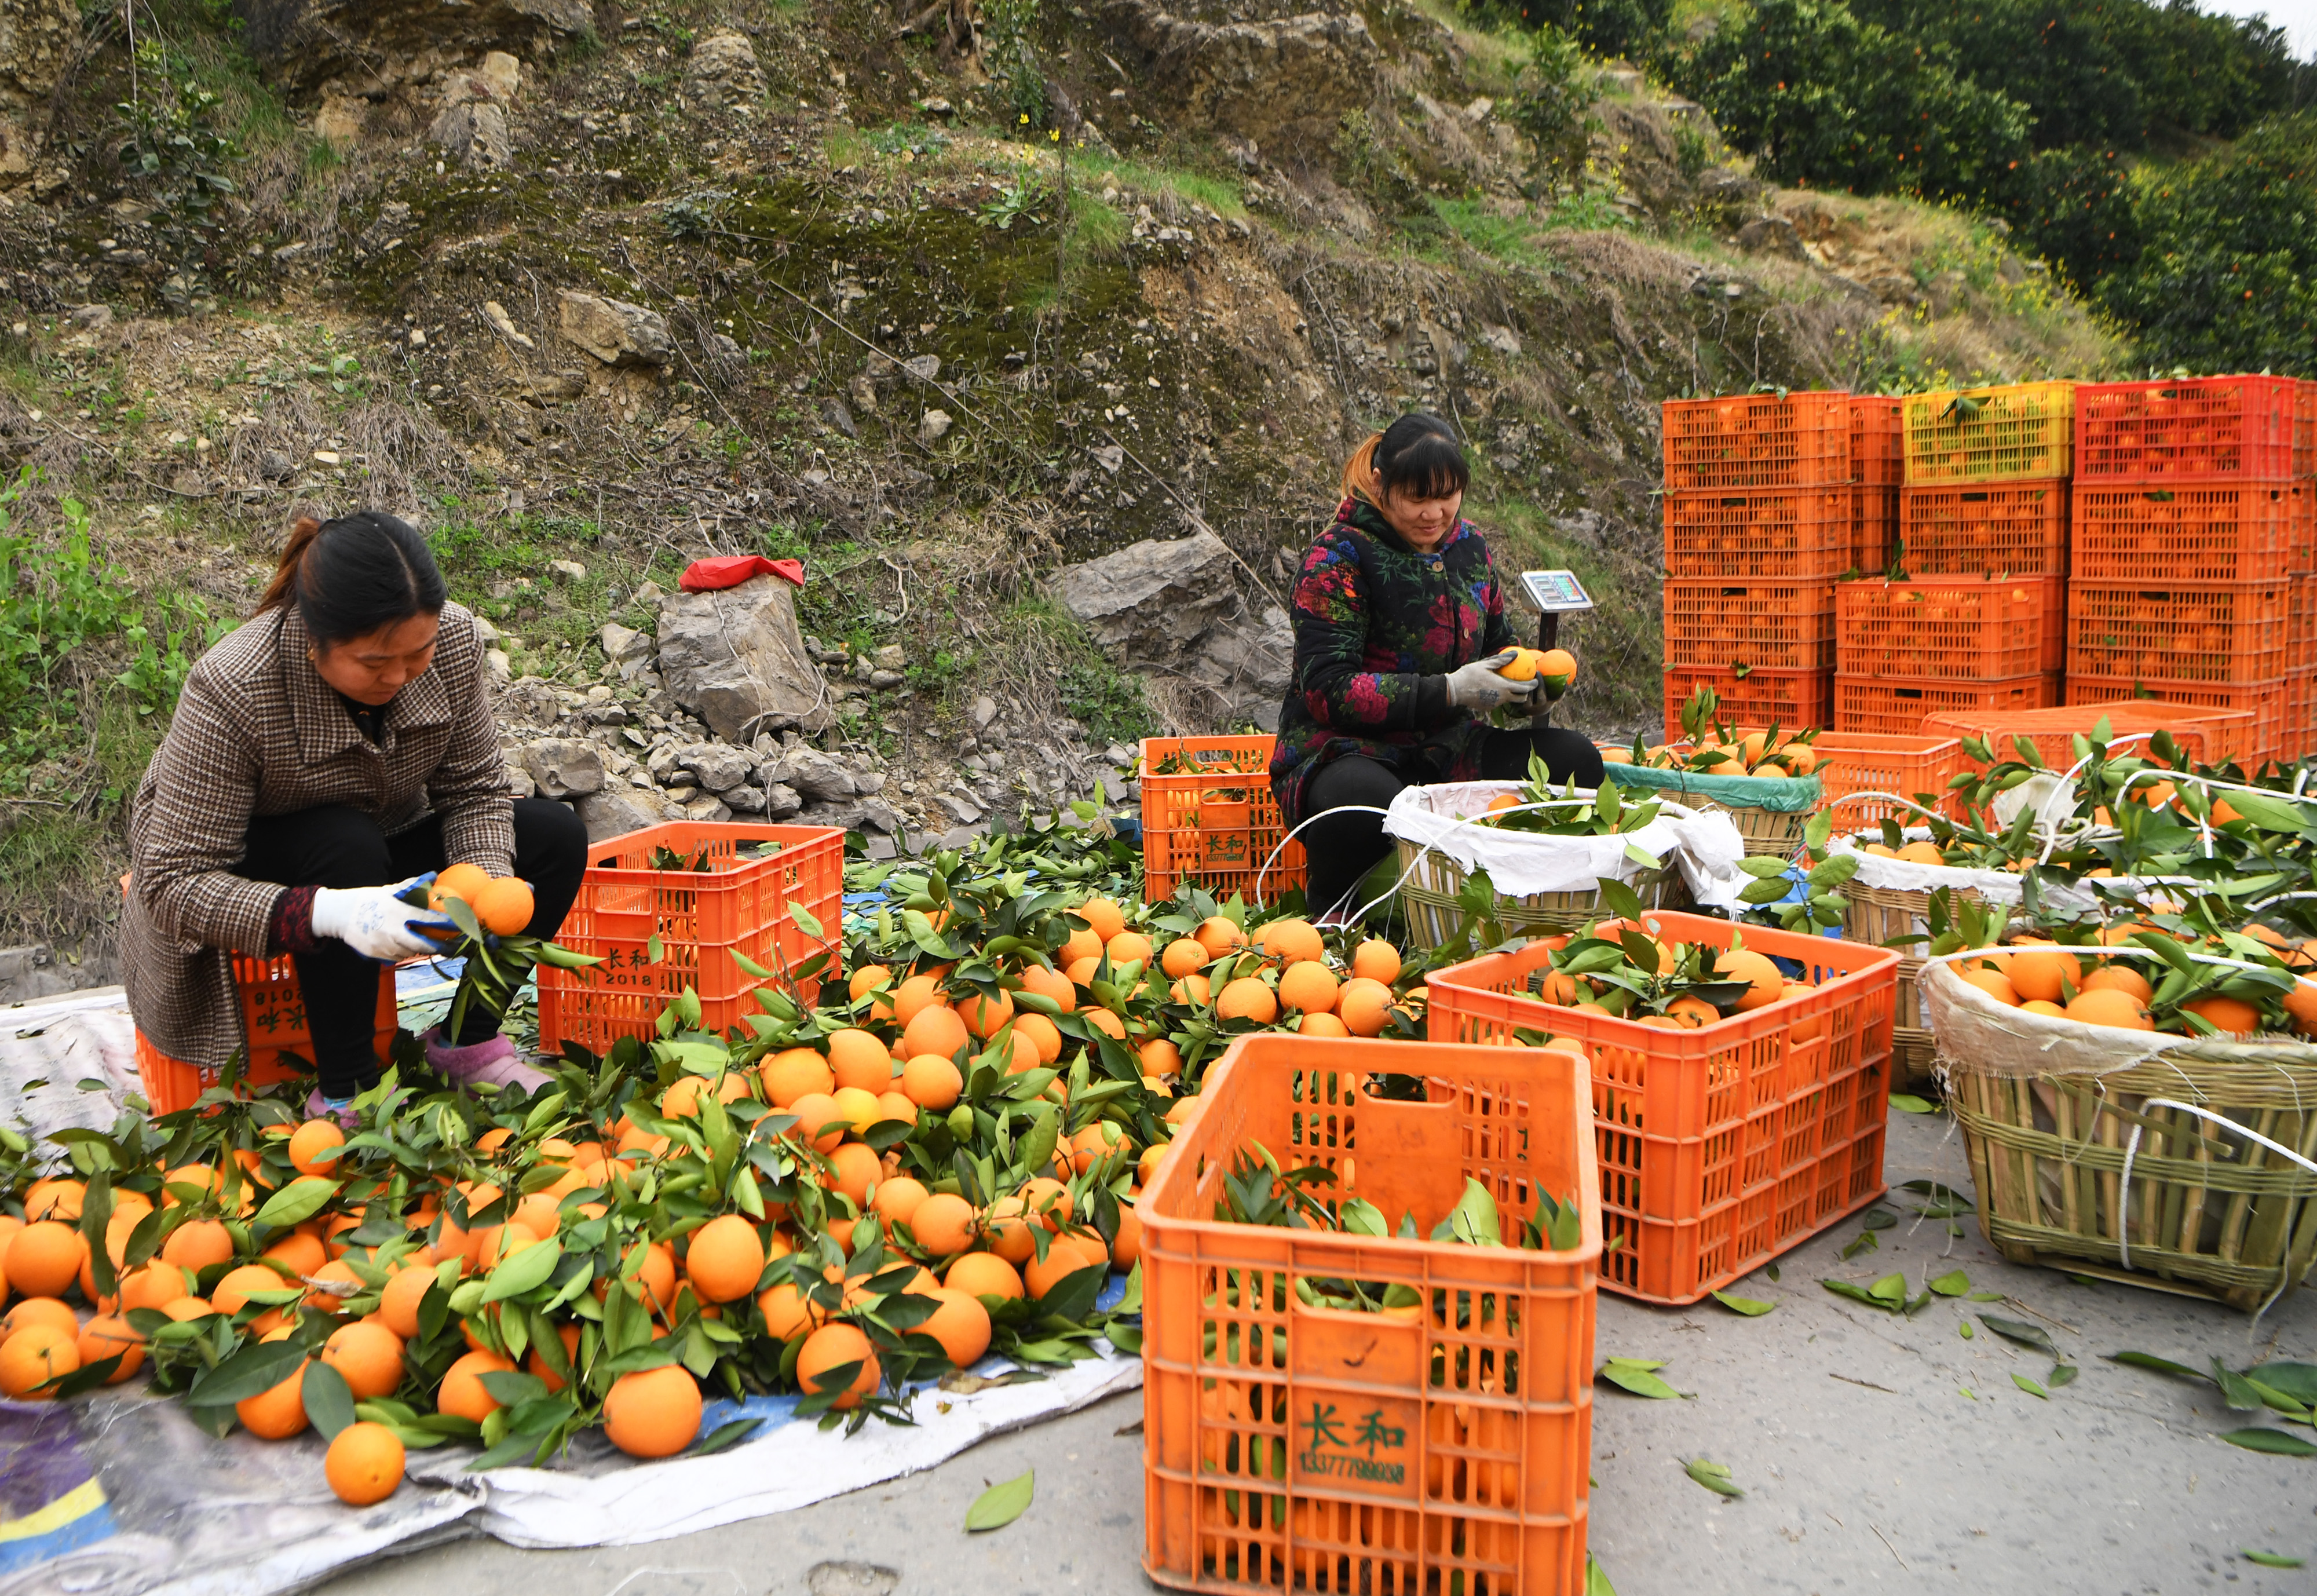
1400,630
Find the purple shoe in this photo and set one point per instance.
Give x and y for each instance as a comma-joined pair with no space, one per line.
316,1108
488,1064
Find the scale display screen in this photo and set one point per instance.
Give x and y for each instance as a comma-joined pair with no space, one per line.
1556,592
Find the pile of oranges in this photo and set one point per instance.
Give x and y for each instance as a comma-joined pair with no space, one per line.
2082,983
940,1162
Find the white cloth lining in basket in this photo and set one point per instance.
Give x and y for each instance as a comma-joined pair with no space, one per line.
1706,844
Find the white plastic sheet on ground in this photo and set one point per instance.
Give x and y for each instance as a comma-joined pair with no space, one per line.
117,1494
1705,845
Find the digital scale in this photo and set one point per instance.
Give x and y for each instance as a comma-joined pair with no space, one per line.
1555,593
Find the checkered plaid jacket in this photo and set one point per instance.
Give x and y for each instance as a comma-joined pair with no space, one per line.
259,732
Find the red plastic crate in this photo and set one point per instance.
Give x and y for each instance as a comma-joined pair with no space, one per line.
2205,735
2208,632
1288,1446
1873,527
741,904
1217,827
1768,626
2217,532
1963,628
2200,429
1758,440
280,1042
1897,706
1878,453
2265,703
1720,1148
1795,533
2012,529
1796,700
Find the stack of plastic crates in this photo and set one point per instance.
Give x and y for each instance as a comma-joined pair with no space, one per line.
1979,622
1770,499
2194,527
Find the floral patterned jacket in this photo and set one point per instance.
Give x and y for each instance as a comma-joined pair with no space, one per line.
1378,628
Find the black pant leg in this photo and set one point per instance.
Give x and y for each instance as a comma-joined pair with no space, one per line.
334,847
1567,755
1344,846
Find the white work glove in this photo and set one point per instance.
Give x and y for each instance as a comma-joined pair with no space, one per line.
1478,685
377,924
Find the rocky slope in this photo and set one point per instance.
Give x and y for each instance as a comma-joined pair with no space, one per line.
1037,332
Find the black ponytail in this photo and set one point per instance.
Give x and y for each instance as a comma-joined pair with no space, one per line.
1417,455
354,576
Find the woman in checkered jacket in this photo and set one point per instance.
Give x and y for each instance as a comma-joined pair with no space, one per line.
336,750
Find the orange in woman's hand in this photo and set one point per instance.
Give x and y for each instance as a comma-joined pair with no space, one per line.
503,906
461,882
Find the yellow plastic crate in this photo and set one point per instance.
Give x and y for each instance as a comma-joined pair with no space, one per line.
1990,434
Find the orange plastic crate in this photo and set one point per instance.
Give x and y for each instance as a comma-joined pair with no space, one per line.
2208,632
1771,625
274,1019
2262,737
1292,1448
1217,829
1723,1147
1963,628
2205,735
1897,706
1796,700
1758,440
1872,762
2200,429
1795,533
2024,431
2217,532
1873,527
2011,529
1878,453
702,917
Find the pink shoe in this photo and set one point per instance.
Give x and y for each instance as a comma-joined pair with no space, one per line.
316,1108
488,1064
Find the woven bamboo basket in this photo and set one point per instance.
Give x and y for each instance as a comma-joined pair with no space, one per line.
2208,1214
1878,916
1767,832
1433,883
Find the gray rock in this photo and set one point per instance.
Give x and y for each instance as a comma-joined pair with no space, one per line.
617,811
1280,83
615,332
881,847
651,594
570,571
564,767
815,774
885,681
962,809
720,766
474,132
723,70
520,784
933,426
782,801
735,658
1771,235
851,814
1174,607
891,656
707,809
744,800
622,644
501,668
985,710
95,317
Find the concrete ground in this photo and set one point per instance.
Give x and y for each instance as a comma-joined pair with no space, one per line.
1864,1465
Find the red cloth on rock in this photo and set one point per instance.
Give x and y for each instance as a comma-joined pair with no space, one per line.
729,571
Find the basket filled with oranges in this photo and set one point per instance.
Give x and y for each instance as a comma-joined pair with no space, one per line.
1764,779
2136,1098
1482,862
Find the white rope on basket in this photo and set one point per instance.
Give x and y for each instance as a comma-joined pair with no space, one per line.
2131,1149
